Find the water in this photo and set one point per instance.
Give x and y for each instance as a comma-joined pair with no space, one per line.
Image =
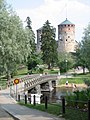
58,92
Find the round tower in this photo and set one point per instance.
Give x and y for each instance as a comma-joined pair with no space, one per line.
66,37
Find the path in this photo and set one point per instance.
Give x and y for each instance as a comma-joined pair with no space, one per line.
22,112
4,115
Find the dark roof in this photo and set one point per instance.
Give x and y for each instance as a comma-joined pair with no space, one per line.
40,28
66,22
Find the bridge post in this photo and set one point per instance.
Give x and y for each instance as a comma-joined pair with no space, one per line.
34,100
25,99
38,89
46,106
50,86
19,97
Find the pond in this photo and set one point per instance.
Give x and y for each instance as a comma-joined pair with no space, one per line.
57,92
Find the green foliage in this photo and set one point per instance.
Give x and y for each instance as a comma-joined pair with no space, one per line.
65,61
40,69
83,53
78,98
32,63
48,45
87,82
74,114
15,41
3,83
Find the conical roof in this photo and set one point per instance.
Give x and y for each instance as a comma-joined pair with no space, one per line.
66,22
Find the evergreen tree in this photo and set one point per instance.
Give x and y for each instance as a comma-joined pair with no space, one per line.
83,53
48,45
32,58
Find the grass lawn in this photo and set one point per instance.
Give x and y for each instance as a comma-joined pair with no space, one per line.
3,83
72,114
52,109
71,80
77,79
56,109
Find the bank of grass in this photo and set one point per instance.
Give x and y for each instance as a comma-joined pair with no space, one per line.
52,108
75,80
51,71
56,109
74,114
71,80
3,83
81,74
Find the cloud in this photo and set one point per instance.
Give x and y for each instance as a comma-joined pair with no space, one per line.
55,12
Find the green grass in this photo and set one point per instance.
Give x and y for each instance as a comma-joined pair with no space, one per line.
52,108
56,109
72,114
51,71
82,75
3,83
72,80
22,71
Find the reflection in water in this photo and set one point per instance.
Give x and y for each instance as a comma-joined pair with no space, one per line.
57,92
62,91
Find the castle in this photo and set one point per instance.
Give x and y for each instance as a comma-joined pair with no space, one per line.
66,37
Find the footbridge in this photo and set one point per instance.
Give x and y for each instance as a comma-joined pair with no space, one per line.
37,82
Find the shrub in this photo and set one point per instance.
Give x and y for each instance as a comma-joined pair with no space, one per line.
87,82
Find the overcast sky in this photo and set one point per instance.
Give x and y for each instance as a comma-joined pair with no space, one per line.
56,11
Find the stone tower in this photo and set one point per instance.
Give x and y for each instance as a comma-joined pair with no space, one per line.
66,37
39,32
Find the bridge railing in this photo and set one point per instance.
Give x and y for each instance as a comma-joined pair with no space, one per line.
28,82
35,81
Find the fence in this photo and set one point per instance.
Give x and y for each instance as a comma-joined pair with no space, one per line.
65,107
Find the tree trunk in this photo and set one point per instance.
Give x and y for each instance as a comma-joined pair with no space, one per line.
83,70
8,76
49,66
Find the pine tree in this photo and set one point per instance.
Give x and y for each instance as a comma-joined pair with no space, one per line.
48,45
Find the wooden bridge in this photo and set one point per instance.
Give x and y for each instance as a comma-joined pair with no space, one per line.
30,81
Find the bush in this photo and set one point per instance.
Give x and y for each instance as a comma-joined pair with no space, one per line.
87,82
78,98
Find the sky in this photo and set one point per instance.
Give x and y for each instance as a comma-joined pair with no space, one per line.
56,11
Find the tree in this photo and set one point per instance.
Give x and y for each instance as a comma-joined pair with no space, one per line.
48,45
32,58
80,59
65,61
14,41
28,20
86,46
83,53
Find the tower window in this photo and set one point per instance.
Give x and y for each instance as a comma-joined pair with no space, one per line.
61,25
69,28
66,39
68,25
68,36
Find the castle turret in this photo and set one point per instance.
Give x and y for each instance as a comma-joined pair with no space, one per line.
66,37
39,32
